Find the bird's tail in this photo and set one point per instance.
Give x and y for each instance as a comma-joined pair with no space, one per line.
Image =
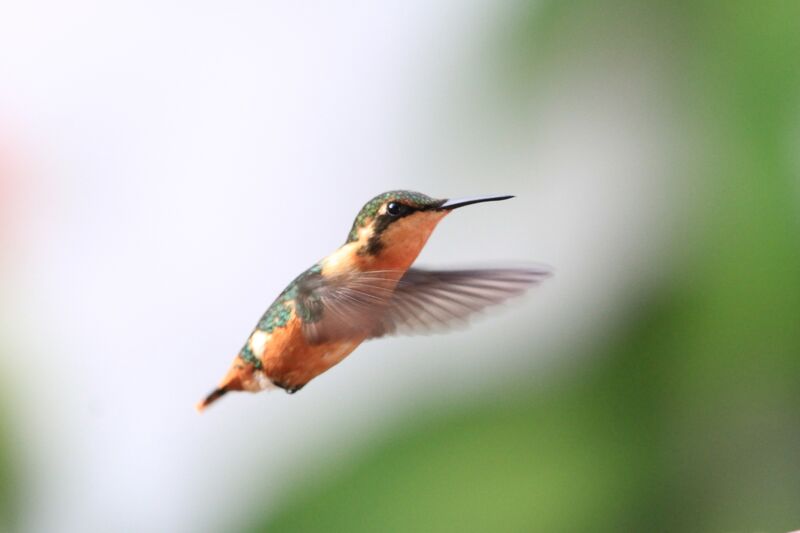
212,397
231,382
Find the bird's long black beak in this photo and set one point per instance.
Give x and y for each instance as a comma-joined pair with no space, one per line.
461,202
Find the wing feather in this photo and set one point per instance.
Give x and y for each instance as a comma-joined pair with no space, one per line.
374,304
441,299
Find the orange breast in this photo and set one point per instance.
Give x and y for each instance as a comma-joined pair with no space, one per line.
289,361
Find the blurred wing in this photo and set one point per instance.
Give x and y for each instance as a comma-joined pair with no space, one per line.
345,306
428,300
374,304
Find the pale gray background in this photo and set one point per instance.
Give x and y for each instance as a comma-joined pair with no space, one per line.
184,161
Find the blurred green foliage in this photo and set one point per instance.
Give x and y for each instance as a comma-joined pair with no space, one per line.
689,418
576,457
9,511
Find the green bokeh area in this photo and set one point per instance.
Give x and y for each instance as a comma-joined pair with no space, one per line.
688,419
9,497
526,461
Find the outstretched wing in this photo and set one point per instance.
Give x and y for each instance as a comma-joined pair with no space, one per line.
432,300
374,304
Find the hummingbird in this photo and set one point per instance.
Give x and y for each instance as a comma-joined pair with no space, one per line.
367,289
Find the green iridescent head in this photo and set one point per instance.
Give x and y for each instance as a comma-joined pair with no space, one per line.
404,200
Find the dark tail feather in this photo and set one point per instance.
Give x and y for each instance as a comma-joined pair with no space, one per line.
215,395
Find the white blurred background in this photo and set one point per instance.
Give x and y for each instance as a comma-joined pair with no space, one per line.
175,165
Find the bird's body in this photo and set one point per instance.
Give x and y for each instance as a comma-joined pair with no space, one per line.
365,289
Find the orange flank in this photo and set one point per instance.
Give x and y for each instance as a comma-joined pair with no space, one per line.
287,361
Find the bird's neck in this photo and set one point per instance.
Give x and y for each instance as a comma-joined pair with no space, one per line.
394,254
393,248
351,257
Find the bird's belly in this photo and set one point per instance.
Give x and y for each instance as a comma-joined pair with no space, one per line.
290,362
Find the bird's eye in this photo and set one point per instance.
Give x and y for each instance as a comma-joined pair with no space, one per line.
395,209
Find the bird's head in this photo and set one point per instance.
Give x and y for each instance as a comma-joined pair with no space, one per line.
396,224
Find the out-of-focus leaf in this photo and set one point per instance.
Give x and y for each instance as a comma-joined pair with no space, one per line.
8,495
574,459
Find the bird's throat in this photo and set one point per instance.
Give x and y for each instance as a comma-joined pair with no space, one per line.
391,247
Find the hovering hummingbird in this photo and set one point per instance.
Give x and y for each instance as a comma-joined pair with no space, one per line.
363,290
